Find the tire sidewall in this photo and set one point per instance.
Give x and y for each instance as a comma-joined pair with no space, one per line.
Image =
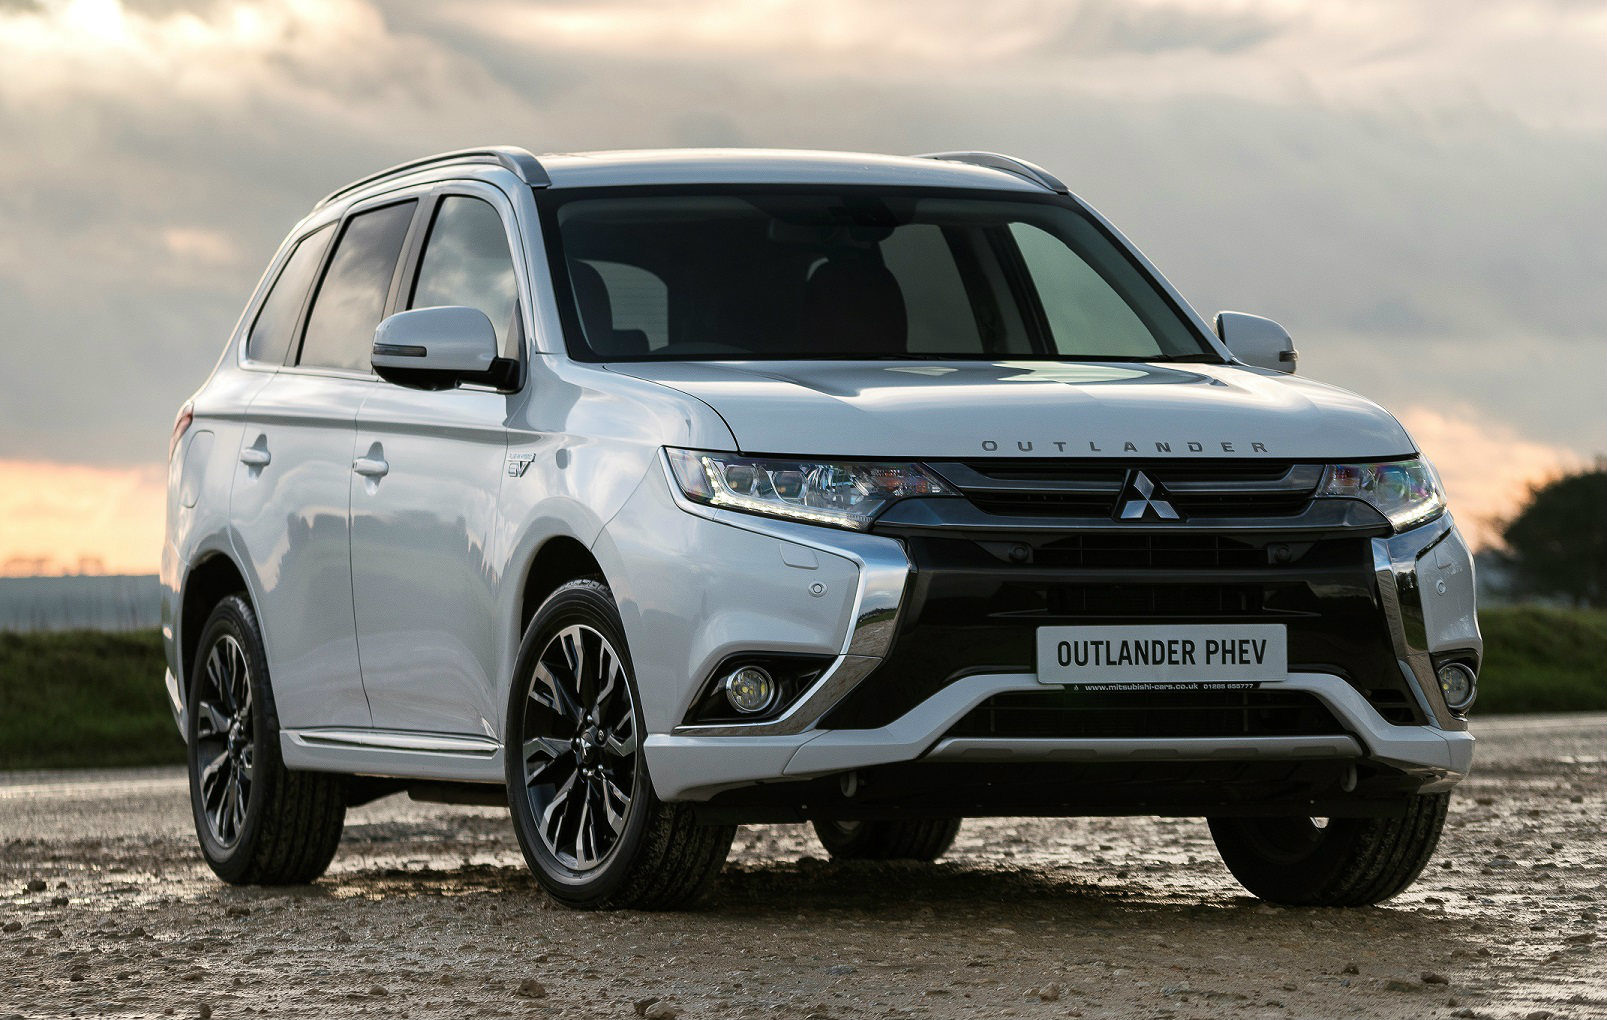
590,603
233,616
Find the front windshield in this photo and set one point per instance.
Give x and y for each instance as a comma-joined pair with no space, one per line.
786,273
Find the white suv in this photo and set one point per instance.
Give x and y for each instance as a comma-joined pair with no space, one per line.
654,493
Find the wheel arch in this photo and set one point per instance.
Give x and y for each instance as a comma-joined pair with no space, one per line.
558,560
212,578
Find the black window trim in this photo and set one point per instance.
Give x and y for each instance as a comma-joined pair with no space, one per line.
550,200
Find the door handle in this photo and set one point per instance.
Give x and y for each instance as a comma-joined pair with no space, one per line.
371,467
256,455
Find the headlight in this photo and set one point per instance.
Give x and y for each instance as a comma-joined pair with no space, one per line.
845,494
1405,491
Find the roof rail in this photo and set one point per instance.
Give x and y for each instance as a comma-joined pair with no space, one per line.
523,164
1009,164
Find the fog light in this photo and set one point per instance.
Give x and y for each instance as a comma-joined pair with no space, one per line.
751,690
1458,685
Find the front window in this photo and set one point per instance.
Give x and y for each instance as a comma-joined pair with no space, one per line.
742,273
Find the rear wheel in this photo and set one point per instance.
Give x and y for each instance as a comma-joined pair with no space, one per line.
258,822
583,807
924,839
1336,862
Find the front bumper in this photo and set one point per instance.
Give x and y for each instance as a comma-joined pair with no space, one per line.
696,767
896,690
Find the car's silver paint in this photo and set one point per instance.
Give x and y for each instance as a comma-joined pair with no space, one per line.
692,591
291,533
954,409
202,529
883,571
691,586
1257,341
451,339
429,651
1425,582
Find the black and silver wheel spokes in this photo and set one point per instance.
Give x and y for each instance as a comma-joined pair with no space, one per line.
580,747
223,738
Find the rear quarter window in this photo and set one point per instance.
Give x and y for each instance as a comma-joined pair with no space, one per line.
270,334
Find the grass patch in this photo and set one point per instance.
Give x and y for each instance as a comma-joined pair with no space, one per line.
80,699
1543,660
91,699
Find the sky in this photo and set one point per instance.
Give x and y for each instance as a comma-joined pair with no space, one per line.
1417,189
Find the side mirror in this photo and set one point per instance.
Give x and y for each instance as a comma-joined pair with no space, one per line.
1257,341
438,348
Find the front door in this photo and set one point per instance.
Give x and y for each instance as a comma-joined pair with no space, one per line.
424,505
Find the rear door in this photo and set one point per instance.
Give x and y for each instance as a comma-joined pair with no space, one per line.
423,519
292,491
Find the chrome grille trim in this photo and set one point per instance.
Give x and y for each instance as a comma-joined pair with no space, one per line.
1084,490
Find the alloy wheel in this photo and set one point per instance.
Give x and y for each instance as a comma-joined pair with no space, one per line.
225,745
580,747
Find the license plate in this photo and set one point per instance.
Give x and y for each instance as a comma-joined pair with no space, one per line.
1163,655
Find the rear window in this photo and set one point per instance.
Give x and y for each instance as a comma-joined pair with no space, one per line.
270,334
351,299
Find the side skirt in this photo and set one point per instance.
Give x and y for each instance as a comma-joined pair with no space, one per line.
400,754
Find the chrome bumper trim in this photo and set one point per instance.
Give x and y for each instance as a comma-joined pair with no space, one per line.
985,749
696,766
427,743
175,703
1395,565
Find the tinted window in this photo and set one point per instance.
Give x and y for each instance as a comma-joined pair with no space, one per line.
466,262
270,334
350,301
788,272
639,303
935,300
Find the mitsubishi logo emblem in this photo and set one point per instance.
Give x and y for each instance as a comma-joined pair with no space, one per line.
1140,497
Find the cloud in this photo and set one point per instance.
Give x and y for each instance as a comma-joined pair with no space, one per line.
1414,189
200,246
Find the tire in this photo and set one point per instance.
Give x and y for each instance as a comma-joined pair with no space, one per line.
924,839
1350,862
583,807
290,823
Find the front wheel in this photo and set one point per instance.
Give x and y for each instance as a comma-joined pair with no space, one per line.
591,829
1337,862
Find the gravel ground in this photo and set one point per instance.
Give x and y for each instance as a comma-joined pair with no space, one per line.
106,910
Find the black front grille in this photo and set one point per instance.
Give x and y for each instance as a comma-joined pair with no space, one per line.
1144,551
1046,488
974,604
1393,704
1147,600
1044,504
1149,713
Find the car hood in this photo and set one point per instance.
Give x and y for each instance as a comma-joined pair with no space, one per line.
931,409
